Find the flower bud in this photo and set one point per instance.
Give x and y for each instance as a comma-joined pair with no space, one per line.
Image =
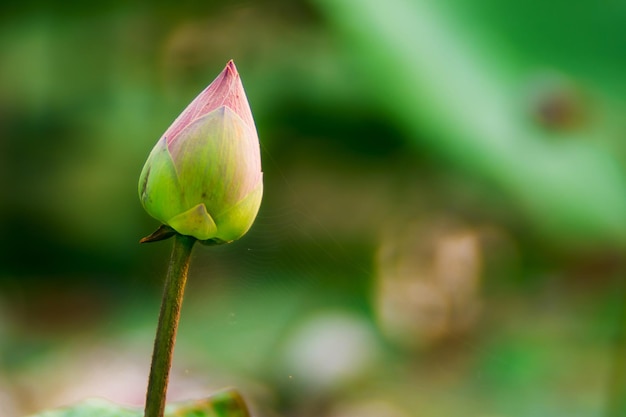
203,178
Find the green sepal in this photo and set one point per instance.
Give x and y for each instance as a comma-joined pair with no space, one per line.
159,188
237,220
162,233
196,222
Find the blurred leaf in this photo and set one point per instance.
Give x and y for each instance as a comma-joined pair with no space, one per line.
227,403
460,96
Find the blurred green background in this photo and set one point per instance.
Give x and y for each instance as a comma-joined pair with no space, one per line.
442,228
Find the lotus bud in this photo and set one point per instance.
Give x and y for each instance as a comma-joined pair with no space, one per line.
203,178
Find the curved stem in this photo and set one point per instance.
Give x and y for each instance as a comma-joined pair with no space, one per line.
168,324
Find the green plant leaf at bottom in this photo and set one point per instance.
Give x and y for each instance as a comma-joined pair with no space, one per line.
227,403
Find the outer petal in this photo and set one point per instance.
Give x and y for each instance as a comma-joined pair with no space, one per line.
159,188
195,222
217,159
235,222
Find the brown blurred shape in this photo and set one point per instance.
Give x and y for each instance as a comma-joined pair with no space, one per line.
428,282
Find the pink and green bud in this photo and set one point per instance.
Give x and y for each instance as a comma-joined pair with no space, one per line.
203,178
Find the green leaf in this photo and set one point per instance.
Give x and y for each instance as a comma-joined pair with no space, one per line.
227,403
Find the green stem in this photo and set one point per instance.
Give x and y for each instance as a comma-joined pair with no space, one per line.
616,406
168,324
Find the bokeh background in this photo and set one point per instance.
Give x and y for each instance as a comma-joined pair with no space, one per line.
442,230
